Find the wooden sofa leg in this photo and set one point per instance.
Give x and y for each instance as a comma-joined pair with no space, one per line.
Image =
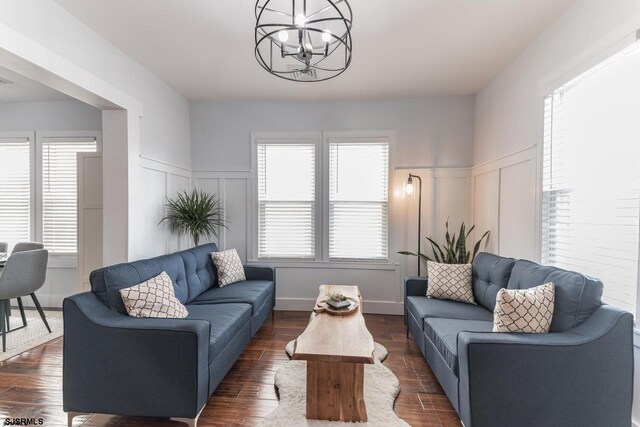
71,415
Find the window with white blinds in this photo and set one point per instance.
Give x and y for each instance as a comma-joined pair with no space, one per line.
15,189
358,197
286,200
591,177
60,191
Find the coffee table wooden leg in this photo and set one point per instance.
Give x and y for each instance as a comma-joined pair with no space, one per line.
352,392
323,391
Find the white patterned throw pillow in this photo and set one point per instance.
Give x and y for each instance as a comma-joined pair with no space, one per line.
229,267
450,281
529,311
153,298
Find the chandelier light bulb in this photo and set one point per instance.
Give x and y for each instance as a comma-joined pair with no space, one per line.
326,36
300,20
308,47
283,36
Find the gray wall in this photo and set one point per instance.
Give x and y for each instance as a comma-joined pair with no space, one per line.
49,115
433,140
436,131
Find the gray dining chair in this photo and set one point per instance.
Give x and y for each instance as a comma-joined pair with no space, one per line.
26,246
3,247
21,247
23,274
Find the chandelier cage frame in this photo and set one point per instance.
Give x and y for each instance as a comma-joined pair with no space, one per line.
268,33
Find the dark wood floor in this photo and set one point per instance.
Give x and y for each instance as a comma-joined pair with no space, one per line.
31,383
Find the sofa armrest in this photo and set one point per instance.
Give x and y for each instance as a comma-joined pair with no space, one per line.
579,377
116,364
260,272
413,286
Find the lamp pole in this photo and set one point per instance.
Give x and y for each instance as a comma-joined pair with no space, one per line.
411,176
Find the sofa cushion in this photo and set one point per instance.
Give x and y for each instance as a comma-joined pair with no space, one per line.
107,282
201,275
254,292
576,296
191,272
226,321
443,333
490,273
422,307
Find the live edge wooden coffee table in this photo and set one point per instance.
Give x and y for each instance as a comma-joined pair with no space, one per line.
336,349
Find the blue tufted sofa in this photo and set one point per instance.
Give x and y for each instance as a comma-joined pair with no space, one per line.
116,364
579,374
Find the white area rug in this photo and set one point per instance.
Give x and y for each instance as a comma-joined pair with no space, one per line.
381,387
34,334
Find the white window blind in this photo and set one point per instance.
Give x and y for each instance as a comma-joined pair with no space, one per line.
591,177
60,191
15,190
358,196
286,200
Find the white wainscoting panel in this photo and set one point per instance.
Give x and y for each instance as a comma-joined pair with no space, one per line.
505,201
162,180
518,210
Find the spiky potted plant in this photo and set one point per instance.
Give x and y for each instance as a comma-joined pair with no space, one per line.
197,214
454,251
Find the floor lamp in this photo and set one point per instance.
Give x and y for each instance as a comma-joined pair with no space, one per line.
410,192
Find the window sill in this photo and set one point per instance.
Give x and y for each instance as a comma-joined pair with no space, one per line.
344,265
63,261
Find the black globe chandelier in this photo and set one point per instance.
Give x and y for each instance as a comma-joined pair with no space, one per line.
303,40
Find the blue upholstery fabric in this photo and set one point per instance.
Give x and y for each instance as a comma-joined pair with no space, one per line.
225,360
225,320
413,286
199,268
191,272
577,296
490,274
422,307
259,317
581,377
443,333
254,292
443,373
580,374
116,364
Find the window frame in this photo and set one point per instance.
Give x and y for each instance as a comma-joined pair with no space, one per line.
283,138
623,38
352,137
58,259
31,136
322,141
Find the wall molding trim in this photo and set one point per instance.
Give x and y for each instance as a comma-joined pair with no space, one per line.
504,160
162,166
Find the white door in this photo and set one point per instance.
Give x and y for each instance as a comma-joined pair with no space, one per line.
89,216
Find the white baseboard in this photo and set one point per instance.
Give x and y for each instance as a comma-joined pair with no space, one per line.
371,307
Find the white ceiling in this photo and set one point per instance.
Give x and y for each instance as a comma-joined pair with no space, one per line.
23,89
401,48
